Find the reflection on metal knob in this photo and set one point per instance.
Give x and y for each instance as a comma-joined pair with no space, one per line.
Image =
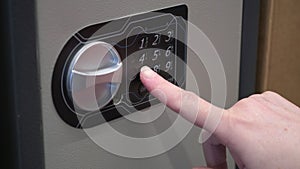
94,76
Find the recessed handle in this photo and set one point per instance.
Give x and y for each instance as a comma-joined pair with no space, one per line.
94,76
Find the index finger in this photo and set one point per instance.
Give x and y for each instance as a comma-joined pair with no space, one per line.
188,104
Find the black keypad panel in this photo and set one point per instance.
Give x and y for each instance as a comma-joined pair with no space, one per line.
156,39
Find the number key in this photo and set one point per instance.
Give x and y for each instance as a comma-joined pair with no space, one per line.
170,36
156,40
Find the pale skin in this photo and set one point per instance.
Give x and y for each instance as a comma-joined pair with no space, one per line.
261,131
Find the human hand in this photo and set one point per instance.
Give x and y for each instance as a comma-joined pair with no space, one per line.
261,131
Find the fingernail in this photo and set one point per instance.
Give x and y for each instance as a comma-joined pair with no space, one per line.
147,72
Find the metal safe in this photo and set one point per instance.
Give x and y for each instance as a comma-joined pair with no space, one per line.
58,119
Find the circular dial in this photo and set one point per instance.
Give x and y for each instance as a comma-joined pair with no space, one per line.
94,76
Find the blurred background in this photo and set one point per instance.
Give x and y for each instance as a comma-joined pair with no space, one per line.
278,67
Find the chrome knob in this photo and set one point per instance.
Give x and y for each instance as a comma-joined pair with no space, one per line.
94,76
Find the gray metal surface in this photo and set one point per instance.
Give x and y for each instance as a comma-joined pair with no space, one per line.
67,147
